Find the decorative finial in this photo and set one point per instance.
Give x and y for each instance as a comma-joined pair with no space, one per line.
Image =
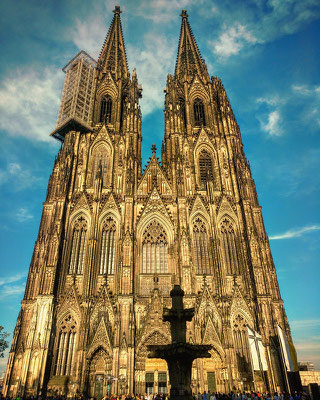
117,10
184,14
153,148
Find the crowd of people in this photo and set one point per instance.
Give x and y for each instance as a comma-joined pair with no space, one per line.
199,396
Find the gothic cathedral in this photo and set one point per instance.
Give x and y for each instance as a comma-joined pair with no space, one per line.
113,239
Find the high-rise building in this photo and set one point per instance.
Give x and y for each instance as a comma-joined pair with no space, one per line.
113,239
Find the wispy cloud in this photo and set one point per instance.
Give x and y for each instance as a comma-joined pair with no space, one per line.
7,289
151,72
293,233
11,279
23,215
232,40
88,35
20,176
258,24
29,102
310,101
305,323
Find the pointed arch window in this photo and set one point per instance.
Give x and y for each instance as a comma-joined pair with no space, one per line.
78,245
106,109
66,346
99,159
200,247
123,109
182,105
205,168
199,115
108,247
241,345
154,249
229,248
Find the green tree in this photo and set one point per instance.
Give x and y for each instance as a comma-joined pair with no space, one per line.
3,343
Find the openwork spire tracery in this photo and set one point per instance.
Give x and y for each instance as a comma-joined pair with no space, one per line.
78,246
229,248
200,247
154,249
108,247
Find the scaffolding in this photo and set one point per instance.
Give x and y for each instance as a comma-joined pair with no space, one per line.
77,96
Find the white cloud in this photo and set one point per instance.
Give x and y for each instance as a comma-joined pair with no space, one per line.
305,323
29,102
259,24
293,233
273,125
17,175
12,290
11,279
153,59
232,40
89,35
23,215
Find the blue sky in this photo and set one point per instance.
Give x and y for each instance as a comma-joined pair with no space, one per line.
267,54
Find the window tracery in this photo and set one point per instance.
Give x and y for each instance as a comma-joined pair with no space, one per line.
78,246
154,249
108,247
200,247
241,344
229,249
99,160
205,168
66,346
199,114
106,109
182,106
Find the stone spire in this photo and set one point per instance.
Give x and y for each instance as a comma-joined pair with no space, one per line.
113,54
189,60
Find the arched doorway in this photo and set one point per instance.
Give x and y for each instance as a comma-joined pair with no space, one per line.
209,374
100,365
157,377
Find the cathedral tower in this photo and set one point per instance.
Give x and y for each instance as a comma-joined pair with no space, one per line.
113,240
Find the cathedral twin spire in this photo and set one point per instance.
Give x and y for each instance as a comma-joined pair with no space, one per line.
189,61
113,54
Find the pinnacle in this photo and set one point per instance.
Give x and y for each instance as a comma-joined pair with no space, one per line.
117,10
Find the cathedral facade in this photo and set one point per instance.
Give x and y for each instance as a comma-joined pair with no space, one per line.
113,239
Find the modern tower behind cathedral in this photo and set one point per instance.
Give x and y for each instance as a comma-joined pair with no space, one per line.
113,240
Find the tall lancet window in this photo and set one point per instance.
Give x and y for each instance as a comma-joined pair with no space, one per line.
108,247
154,249
205,168
200,247
99,159
106,109
229,248
182,105
199,115
78,245
241,344
66,347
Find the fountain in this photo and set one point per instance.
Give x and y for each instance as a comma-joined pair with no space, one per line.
179,355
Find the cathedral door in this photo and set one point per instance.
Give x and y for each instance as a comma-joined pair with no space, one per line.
212,387
98,387
149,383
